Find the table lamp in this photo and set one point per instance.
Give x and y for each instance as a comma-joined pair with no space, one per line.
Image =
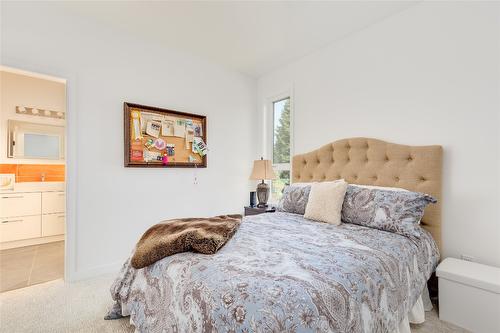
262,170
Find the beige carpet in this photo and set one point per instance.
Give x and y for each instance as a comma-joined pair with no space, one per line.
80,307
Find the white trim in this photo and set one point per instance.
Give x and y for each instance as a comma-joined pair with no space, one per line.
14,65
32,241
268,135
71,179
96,271
31,74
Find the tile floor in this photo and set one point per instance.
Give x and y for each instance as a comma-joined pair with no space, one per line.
26,266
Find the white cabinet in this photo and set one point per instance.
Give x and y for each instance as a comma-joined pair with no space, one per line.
469,295
20,204
18,228
53,224
53,202
31,217
53,218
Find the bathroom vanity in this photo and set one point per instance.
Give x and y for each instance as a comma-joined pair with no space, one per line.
32,213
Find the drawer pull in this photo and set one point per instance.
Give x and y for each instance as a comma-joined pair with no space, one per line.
61,194
11,221
16,197
61,216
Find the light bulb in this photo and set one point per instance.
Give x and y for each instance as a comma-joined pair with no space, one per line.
60,114
34,111
21,109
47,113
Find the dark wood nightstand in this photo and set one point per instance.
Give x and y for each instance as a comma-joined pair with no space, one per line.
259,210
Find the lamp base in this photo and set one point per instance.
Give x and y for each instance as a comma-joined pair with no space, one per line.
262,194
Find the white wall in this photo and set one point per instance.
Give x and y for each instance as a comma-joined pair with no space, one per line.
428,75
22,90
111,205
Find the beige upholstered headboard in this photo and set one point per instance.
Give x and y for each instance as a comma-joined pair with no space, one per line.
375,162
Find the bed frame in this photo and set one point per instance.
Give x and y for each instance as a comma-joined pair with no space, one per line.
376,162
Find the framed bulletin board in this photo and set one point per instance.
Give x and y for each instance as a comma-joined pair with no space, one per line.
161,138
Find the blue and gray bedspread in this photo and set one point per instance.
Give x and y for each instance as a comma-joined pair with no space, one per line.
282,273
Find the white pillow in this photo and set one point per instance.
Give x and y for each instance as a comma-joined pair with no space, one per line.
325,201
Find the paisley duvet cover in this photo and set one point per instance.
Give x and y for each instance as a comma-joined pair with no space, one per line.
282,273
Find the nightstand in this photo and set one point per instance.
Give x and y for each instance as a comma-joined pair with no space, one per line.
259,210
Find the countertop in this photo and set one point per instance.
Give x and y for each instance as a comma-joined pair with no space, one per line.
36,187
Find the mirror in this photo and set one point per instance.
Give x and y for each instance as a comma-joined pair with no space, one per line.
35,141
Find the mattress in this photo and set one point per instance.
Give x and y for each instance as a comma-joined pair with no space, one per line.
282,273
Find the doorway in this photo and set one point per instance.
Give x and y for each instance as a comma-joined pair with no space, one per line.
32,178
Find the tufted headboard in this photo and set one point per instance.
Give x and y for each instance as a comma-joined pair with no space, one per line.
375,162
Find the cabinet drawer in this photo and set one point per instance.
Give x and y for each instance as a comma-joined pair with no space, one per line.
53,224
20,204
53,202
17,228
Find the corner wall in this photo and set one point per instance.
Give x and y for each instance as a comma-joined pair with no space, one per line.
427,75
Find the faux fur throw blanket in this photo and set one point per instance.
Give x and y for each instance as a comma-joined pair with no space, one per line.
204,235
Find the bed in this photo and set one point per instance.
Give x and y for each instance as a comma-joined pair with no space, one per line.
283,273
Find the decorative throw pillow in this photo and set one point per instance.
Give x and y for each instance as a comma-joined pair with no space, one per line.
395,211
325,201
374,187
294,199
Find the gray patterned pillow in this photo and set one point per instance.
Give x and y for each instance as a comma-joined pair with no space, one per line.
294,199
395,211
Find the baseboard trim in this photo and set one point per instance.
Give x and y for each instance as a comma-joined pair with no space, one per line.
84,274
29,242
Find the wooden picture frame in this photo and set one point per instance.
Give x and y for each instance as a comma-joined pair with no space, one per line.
183,157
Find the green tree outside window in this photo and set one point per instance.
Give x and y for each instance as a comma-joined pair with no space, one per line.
281,149
281,145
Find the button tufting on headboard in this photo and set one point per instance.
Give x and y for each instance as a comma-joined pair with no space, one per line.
375,162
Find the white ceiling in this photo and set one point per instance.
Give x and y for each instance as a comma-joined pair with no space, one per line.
251,37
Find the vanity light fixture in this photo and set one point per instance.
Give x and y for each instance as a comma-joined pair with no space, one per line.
40,112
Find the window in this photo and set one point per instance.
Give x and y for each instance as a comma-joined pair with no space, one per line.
281,150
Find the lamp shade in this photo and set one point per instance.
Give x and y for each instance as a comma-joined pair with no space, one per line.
262,169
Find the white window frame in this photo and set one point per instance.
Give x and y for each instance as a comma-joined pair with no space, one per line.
269,135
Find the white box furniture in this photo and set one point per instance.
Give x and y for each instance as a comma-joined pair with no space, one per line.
469,295
32,215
